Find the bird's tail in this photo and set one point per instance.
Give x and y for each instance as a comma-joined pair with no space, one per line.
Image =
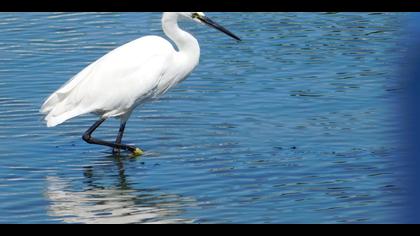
55,118
50,103
61,105
56,110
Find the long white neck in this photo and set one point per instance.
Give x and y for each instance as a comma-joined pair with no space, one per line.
184,41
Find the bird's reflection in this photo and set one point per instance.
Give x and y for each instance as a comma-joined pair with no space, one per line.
120,203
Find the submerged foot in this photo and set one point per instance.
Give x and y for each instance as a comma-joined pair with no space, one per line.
135,151
116,151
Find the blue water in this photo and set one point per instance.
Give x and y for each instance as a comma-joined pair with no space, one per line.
298,123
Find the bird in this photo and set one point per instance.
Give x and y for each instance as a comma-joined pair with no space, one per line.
128,76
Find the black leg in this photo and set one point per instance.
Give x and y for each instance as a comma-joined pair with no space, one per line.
87,137
119,138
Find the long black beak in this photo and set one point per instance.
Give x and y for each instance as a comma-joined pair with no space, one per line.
213,24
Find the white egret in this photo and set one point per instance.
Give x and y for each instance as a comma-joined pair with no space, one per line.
115,84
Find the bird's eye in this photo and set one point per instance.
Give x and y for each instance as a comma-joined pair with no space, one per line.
195,15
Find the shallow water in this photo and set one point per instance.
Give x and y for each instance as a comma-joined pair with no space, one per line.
296,123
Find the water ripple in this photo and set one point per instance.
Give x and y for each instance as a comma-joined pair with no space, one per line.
297,123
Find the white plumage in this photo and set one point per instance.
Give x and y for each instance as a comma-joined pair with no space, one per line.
119,81
129,75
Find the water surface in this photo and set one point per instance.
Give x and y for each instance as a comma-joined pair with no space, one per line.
296,123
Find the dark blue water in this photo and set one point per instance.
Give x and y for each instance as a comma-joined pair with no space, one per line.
297,123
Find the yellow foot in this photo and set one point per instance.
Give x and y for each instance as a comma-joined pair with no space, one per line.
138,152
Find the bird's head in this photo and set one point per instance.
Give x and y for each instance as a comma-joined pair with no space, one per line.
201,18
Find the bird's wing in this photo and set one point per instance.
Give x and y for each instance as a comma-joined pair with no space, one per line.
115,81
